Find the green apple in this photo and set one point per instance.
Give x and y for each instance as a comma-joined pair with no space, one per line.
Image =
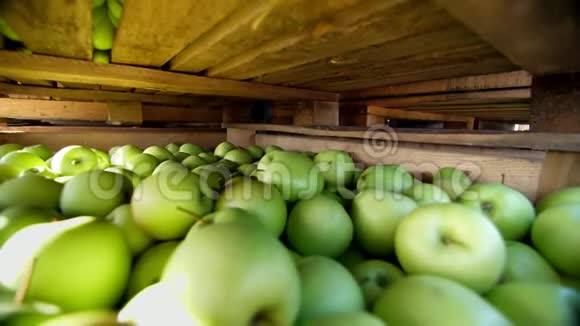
390,177
319,226
113,150
131,178
30,190
160,153
239,155
173,148
115,12
229,165
18,217
73,160
142,164
191,149
452,180
98,3
540,304
43,172
8,172
557,198
101,57
104,161
253,272
327,289
26,313
376,215
227,215
432,300
99,14
256,151
223,148
374,277
149,266
63,179
8,32
89,317
336,167
247,169
556,236
570,282
23,161
193,161
77,264
103,34
425,194
209,157
349,319
39,150
295,174
261,200
510,211
8,148
93,193
524,264
180,156
351,257
272,148
212,178
452,241
167,204
337,196
124,153
169,166
137,239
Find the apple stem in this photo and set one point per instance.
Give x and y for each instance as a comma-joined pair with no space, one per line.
25,285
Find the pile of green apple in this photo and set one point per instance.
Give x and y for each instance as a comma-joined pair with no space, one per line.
180,235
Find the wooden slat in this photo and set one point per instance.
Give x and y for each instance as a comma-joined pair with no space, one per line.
556,103
76,71
179,114
519,169
55,27
547,32
415,115
152,31
241,137
125,113
525,140
560,170
516,79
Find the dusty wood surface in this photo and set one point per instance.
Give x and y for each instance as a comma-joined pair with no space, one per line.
556,103
560,170
416,115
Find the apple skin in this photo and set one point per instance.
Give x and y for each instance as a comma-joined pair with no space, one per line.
240,275
191,149
568,196
166,205
247,170
295,174
193,161
256,151
132,180
453,181
161,154
259,199
39,150
209,157
137,239
93,193
524,264
180,156
8,172
337,168
30,190
104,161
227,215
142,164
327,289
374,277
91,257
168,166
149,266
113,150
223,148
432,300
540,304
16,218
173,148
23,161
122,155
73,160
319,226
426,194
8,148
272,148
556,236
89,317
376,216
389,177
240,156
510,211
348,319
452,241
212,178
570,282
351,257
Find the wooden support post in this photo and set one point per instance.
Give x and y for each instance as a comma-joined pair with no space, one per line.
125,113
374,120
241,137
317,113
556,103
559,170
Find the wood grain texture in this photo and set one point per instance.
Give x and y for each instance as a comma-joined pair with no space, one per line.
560,170
77,71
241,137
416,115
556,103
152,31
125,113
547,32
519,169
55,27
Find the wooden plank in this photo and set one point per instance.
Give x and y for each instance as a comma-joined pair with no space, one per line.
152,31
556,103
415,115
316,113
179,114
58,137
515,79
547,31
522,140
52,110
519,169
560,170
125,113
55,27
241,137
68,70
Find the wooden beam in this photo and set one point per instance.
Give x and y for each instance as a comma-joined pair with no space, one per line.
416,115
125,113
546,32
560,170
316,113
241,137
516,79
556,103
78,71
